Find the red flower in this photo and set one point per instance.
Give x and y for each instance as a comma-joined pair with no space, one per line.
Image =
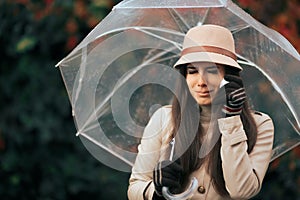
48,2
296,151
244,3
71,43
71,26
22,1
2,144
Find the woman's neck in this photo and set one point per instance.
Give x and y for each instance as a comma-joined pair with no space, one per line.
205,115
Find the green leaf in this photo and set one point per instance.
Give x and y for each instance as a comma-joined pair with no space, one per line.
25,44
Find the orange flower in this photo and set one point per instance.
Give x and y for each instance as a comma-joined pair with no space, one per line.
71,26
80,9
296,151
275,164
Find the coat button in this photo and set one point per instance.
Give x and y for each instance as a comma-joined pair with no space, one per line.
201,189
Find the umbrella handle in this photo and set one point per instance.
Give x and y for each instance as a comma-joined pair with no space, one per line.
184,195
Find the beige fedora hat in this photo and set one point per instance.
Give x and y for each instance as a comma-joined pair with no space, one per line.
208,43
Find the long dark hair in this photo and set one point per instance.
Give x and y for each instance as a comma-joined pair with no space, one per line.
185,118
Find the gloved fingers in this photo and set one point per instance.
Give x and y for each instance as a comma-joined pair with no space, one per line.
171,175
236,105
170,183
236,79
237,97
168,165
175,167
229,111
172,171
157,174
232,86
167,172
222,94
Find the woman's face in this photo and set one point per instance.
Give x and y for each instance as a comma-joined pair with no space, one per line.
203,80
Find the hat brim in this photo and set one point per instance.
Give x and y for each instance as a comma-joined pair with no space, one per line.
207,57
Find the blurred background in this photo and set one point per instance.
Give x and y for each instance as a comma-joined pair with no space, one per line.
40,156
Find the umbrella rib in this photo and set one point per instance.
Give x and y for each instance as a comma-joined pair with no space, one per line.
204,18
294,113
283,152
93,126
160,37
187,26
69,56
140,28
98,108
81,74
67,59
166,58
105,148
297,129
240,28
180,17
128,76
84,57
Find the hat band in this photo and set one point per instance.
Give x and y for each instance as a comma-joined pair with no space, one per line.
210,49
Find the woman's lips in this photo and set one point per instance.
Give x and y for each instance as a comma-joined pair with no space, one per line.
203,93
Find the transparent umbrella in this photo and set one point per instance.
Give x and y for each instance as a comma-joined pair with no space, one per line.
122,72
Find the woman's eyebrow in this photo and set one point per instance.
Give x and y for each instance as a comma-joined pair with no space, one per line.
191,67
212,67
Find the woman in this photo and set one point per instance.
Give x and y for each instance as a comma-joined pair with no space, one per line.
218,139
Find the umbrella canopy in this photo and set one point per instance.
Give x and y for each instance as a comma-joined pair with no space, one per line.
122,72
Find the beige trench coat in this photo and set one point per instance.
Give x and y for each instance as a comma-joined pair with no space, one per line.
243,172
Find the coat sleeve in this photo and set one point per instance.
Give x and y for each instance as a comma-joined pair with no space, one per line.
140,182
243,172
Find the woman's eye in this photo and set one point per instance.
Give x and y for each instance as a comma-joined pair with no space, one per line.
192,71
213,71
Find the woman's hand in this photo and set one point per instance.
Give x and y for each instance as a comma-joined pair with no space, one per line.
235,95
167,174
232,95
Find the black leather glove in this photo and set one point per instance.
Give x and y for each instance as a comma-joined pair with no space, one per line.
168,174
235,95
232,95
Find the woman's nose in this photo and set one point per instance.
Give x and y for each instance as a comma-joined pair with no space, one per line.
201,80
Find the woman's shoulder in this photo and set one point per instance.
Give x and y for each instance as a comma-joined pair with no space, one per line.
161,116
166,108
258,116
161,120
263,120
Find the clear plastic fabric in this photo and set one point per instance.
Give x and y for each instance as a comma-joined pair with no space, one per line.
122,72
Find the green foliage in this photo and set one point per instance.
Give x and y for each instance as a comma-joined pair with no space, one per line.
40,157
